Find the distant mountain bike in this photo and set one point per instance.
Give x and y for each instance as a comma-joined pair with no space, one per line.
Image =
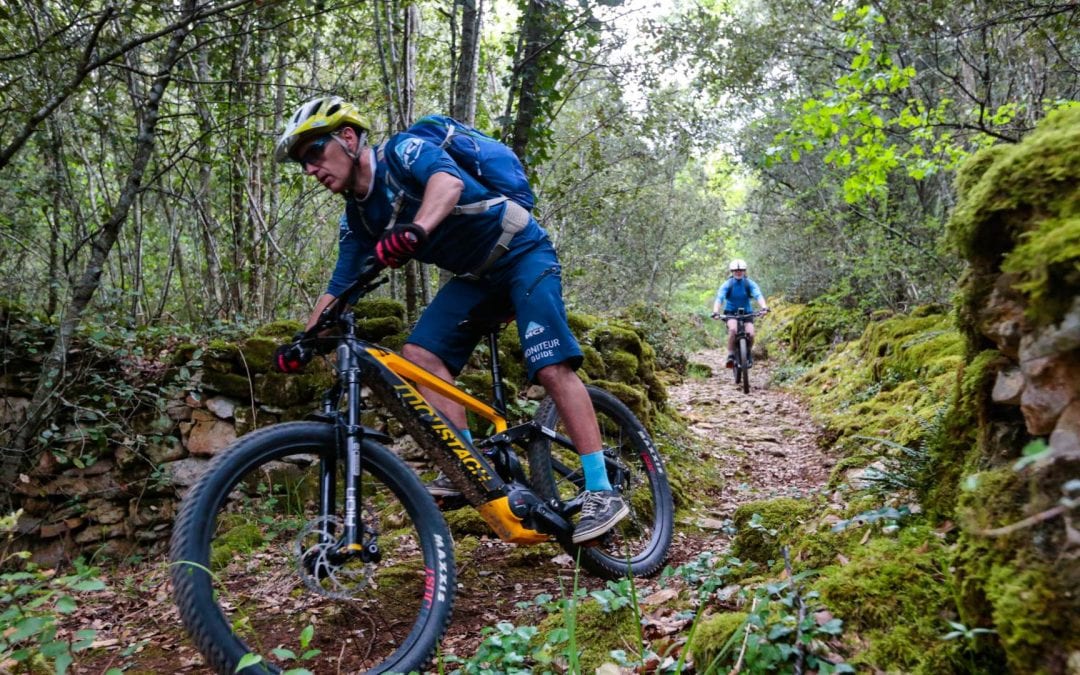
742,361
317,522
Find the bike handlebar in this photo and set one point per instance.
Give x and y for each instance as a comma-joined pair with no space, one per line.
366,281
760,312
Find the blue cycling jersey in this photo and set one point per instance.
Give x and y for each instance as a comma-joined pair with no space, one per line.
736,294
460,243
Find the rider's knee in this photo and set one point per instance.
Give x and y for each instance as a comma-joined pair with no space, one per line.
420,356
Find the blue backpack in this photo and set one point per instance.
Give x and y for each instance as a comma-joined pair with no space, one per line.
484,158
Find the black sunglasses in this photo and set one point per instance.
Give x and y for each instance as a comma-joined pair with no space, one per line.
314,152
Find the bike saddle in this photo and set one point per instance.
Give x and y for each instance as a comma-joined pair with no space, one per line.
490,316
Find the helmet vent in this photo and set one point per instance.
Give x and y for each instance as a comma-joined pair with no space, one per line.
333,109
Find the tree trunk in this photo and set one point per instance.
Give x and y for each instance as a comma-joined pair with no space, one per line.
534,29
20,453
463,102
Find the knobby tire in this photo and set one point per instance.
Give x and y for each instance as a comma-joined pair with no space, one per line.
743,359
235,567
639,543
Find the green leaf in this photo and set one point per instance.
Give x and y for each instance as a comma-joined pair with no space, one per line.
31,625
283,653
247,660
306,635
66,605
88,585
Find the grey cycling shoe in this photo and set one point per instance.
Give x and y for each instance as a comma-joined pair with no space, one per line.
599,513
442,487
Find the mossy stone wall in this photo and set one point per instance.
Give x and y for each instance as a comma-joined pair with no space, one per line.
118,494
1017,221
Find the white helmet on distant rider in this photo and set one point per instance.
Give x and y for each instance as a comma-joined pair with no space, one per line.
737,264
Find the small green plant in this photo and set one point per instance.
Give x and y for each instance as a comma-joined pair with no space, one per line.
959,630
285,654
506,649
782,634
888,517
32,599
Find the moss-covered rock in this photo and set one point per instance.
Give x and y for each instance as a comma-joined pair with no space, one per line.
896,594
712,635
379,308
280,331
764,526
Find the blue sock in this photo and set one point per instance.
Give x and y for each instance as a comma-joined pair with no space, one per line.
595,472
467,435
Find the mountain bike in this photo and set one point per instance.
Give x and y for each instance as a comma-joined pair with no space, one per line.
318,523
742,361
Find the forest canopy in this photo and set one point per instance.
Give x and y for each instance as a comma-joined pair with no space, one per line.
819,141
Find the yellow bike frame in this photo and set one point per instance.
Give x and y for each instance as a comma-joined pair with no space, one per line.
496,511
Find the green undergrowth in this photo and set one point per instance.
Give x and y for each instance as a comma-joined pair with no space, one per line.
892,382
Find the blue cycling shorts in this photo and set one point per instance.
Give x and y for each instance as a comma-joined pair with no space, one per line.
525,283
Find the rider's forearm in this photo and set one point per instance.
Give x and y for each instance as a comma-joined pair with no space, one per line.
324,301
440,196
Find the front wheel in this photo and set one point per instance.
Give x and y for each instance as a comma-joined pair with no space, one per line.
742,362
254,564
639,543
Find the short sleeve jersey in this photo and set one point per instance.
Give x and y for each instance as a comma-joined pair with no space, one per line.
735,294
404,165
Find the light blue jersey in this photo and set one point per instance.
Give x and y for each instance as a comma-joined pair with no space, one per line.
735,294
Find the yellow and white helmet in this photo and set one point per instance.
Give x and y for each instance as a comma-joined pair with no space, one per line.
317,117
737,264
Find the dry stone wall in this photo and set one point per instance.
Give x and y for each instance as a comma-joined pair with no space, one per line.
120,497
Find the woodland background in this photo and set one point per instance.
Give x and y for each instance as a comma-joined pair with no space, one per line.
140,205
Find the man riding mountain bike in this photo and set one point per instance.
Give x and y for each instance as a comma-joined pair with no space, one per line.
407,198
734,296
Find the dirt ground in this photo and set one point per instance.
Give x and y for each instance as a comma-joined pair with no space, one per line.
763,444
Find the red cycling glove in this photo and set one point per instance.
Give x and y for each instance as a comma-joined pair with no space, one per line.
291,357
399,244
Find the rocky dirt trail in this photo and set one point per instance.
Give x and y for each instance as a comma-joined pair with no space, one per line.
763,444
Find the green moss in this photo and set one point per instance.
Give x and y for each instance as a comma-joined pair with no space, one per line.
593,364
597,632
379,308
377,328
280,330
813,330
581,324
890,584
1047,266
633,397
239,539
892,382
229,384
257,352
1025,604
612,338
1017,186
780,515
959,448
623,366
285,391
466,522
712,635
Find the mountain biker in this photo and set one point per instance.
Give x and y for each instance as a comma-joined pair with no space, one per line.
735,295
406,199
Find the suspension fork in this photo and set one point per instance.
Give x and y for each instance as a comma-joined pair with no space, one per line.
351,435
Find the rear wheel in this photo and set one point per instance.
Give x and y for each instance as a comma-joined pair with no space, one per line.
744,360
254,564
640,540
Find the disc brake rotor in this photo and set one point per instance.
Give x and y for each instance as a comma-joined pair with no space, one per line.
326,569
